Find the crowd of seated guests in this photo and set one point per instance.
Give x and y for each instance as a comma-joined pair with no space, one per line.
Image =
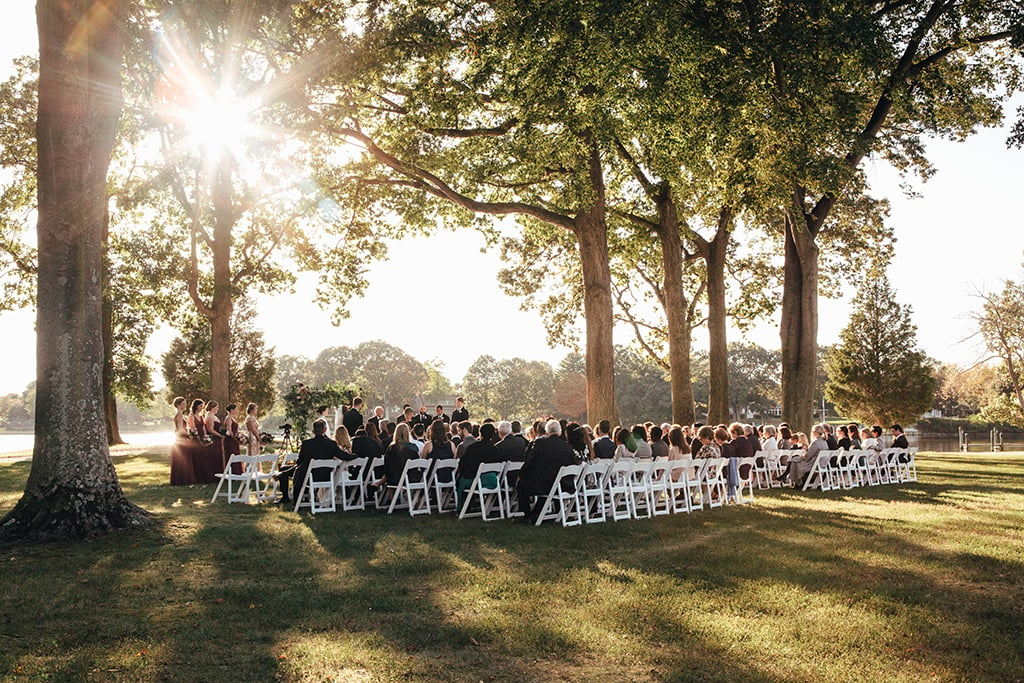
547,444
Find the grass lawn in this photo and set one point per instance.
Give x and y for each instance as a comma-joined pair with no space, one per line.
916,582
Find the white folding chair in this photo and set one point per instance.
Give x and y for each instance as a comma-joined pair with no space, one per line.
678,492
374,495
764,468
350,480
567,502
443,485
906,468
411,492
243,479
820,475
888,466
489,497
617,495
745,467
317,489
592,490
264,479
661,502
508,484
715,481
694,478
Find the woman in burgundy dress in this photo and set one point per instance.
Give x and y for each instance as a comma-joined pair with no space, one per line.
181,453
232,446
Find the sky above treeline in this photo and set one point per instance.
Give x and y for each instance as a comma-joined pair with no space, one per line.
961,234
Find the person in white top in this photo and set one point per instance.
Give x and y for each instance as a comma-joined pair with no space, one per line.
770,443
868,442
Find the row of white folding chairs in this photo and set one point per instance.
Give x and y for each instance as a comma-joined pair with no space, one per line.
248,478
628,489
842,469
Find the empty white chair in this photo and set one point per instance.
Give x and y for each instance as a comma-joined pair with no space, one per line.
317,489
411,492
243,479
640,489
264,477
372,494
350,480
443,485
486,486
562,501
694,481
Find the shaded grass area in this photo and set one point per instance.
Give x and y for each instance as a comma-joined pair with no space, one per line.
918,582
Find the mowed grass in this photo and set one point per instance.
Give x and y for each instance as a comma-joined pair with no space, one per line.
915,582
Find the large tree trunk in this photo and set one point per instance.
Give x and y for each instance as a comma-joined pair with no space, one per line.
109,399
222,306
799,326
72,489
677,313
597,313
715,253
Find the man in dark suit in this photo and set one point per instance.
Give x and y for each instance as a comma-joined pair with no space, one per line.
539,471
512,446
604,447
460,414
899,439
353,419
317,448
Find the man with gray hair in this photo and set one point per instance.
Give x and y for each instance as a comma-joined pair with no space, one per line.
511,446
541,468
770,442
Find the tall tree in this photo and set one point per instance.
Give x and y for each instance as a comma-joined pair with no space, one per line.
1001,324
72,489
490,110
876,373
844,81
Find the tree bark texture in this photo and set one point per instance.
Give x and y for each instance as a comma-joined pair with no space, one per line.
714,252
72,489
677,312
799,326
597,312
222,305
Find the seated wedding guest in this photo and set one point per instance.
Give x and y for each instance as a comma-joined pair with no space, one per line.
604,447
751,434
830,439
622,438
319,447
659,449
854,431
419,434
401,450
739,445
844,438
868,441
770,442
252,430
724,445
541,468
800,466
511,446
802,442
353,419
440,445
709,447
480,451
677,447
343,440
696,444
180,419
460,414
577,438
643,448
365,446
466,437
899,439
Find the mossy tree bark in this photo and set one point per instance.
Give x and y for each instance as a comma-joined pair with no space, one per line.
72,489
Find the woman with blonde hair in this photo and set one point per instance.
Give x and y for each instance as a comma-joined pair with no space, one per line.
342,438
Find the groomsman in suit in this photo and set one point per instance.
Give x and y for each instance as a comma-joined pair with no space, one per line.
460,414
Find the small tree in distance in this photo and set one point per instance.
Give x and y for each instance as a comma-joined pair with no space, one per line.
876,373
